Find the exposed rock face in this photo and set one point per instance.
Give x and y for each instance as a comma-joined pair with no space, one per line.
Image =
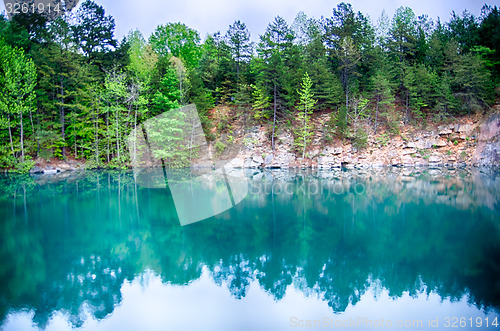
328,162
43,167
250,162
488,147
237,162
434,159
427,143
257,159
282,159
452,145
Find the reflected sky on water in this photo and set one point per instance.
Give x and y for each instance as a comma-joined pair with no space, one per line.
97,251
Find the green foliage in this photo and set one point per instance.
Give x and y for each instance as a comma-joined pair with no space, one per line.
143,59
360,139
93,31
393,120
202,98
223,120
168,134
168,95
339,122
238,40
384,98
68,88
25,167
178,40
219,148
383,139
17,91
304,131
403,41
421,86
261,102
489,39
249,141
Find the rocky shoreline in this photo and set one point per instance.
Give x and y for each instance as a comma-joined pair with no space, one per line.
474,142
453,145
43,167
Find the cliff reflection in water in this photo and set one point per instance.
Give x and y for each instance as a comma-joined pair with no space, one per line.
68,243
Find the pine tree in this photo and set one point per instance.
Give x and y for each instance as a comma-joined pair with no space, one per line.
94,31
238,39
384,98
276,41
307,103
349,57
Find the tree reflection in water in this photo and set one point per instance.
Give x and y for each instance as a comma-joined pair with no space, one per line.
69,243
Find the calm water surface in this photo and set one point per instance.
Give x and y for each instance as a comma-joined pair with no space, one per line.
100,250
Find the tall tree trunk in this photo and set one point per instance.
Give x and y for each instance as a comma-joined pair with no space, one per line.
22,136
38,130
238,70
107,130
346,101
355,118
10,137
135,131
305,132
117,136
407,107
96,137
62,116
180,86
238,63
32,125
274,117
217,76
74,137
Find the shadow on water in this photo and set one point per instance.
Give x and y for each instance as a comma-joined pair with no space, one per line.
71,241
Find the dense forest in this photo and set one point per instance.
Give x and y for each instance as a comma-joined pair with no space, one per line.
69,89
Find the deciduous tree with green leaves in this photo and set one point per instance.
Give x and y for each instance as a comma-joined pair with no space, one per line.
17,97
179,40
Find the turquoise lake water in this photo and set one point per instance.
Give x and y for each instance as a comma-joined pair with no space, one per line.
251,250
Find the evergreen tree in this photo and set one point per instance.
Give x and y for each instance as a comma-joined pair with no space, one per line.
306,106
94,31
276,41
403,35
168,93
384,99
238,39
464,30
489,36
349,56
